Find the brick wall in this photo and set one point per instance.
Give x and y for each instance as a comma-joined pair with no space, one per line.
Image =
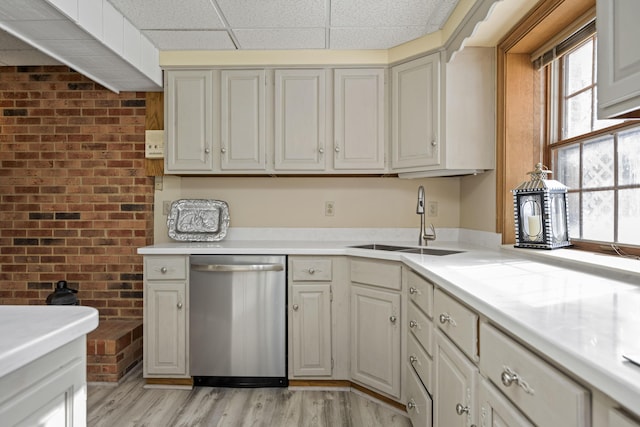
74,199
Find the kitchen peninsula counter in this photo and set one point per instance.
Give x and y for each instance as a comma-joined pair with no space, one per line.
581,318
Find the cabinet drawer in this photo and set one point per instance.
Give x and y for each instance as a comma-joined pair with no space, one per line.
541,392
497,410
420,291
420,361
420,327
376,273
419,406
158,267
458,322
316,270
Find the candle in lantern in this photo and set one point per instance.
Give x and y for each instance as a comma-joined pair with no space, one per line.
534,225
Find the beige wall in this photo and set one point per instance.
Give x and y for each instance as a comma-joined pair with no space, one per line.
478,202
364,202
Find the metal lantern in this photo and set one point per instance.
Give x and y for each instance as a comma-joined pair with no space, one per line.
540,209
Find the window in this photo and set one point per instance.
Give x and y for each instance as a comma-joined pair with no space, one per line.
599,160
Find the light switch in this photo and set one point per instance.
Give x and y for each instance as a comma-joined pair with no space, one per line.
154,144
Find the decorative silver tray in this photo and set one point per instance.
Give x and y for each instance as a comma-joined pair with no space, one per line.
198,220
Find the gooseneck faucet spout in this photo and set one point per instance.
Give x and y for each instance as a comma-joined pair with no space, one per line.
423,238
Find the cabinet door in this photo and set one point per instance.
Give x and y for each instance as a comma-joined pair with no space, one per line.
359,119
243,143
189,109
455,386
165,343
415,113
496,410
300,120
618,57
375,339
311,305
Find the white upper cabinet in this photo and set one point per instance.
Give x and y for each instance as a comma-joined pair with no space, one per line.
359,141
189,108
243,141
300,120
414,113
618,57
443,114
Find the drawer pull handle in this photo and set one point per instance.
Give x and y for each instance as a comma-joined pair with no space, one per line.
393,319
413,291
295,307
413,324
413,359
509,377
446,318
461,410
411,404
163,270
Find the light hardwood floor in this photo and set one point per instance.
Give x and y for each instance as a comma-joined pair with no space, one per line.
129,404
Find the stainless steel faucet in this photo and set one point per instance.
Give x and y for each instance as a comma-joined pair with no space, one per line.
424,238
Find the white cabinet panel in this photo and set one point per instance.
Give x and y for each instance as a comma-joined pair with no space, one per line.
359,141
165,329
419,405
618,57
189,112
243,144
375,339
496,410
415,113
311,324
300,120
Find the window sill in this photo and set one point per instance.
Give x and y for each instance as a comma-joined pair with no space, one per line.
612,266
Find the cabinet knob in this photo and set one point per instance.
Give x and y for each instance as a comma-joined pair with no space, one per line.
337,149
413,290
411,404
393,319
320,150
413,323
179,305
413,359
446,318
223,150
163,270
207,150
509,377
311,271
295,307
461,410
434,143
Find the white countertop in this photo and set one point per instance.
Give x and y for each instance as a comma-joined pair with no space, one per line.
582,319
29,332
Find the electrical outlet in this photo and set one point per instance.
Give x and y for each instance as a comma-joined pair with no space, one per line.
166,207
432,209
329,208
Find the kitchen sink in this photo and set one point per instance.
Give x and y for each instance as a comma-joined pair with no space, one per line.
406,249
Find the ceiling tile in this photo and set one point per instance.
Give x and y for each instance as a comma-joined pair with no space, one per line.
287,38
372,38
274,13
170,14
190,40
440,12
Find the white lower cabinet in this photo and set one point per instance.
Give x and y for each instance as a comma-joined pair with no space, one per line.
311,330
166,325
542,393
50,391
496,410
455,389
419,405
375,339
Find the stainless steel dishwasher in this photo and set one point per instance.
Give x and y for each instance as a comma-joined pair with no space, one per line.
237,320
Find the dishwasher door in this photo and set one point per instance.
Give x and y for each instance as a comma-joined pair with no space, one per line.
237,320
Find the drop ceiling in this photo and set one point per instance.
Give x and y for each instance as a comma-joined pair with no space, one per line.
284,24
